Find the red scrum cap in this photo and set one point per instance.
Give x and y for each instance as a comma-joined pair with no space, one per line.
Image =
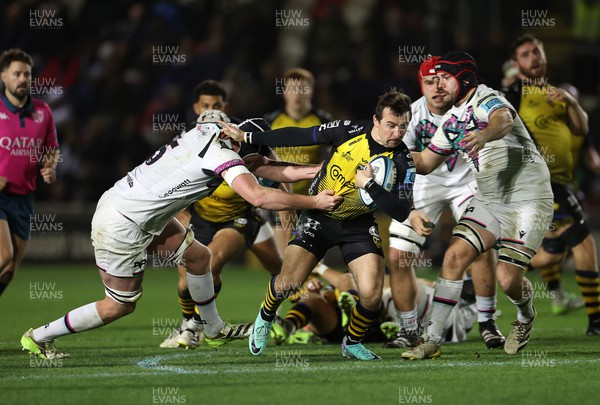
427,68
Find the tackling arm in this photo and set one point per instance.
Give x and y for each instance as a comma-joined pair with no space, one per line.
427,161
276,200
280,172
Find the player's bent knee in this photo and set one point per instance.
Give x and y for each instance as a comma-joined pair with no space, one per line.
370,298
197,259
111,310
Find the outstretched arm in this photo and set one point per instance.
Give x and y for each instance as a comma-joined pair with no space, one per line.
278,171
288,136
276,200
427,160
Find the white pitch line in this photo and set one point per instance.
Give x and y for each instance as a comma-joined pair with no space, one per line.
152,366
153,363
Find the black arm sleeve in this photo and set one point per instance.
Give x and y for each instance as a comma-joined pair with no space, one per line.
333,133
288,136
389,202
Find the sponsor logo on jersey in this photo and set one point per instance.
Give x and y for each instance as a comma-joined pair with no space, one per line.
177,188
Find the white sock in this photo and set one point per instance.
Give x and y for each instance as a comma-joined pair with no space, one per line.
486,308
445,297
203,293
78,320
407,319
525,304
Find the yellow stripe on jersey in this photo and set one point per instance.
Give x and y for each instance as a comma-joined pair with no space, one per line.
298,154
340,173
547,120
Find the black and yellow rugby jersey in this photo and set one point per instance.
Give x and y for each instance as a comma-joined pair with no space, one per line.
547,123
353,147
224,204
299,154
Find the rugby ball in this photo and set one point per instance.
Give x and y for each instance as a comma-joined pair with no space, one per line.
384,174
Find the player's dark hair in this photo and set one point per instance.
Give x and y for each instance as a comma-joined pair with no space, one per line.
396,100
14,55
210,88
523,39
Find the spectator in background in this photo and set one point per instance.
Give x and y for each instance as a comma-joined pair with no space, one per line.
297,87
554,117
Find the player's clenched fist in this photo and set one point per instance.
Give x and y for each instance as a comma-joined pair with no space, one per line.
328,201
48,174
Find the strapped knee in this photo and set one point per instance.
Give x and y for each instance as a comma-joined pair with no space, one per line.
465,232
509,254
123,297
403,237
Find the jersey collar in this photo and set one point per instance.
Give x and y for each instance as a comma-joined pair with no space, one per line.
28,107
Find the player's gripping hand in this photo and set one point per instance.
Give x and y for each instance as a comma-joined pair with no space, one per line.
420,222
363,176
3,181
327,201
231,131
473,142
48,174
314,285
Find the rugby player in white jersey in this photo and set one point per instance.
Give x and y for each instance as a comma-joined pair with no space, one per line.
135,217
512,207
451,186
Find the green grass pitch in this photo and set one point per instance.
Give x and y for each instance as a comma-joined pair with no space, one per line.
122,363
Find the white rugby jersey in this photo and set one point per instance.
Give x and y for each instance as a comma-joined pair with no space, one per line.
423,124
508,169
184,171
424,301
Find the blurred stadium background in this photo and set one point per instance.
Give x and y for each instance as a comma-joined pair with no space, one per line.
112,70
